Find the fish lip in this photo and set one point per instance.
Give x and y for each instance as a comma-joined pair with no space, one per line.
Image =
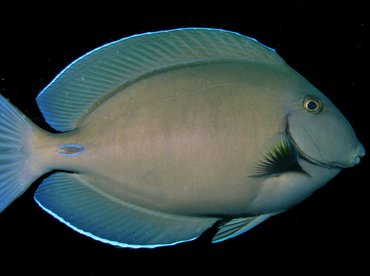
302,155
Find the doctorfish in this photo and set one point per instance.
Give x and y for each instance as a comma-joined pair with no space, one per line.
163,135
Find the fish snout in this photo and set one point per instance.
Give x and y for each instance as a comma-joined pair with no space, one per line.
351,161
357,155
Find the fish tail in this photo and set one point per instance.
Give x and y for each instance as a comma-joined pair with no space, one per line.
17,170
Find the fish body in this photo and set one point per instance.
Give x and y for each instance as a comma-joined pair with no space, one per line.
167,133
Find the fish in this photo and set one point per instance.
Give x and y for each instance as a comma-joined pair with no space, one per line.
163,135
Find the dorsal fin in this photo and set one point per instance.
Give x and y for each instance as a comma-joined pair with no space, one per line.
90,78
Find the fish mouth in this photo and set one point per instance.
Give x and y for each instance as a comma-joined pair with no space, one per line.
284,157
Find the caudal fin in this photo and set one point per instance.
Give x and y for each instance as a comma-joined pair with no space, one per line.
16,173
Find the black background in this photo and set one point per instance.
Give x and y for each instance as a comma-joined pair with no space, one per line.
325,43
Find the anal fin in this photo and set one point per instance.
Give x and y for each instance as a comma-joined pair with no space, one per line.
238,226
89,211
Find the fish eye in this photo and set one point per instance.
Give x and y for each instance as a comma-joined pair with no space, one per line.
312,104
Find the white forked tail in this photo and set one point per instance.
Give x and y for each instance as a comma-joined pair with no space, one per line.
16,175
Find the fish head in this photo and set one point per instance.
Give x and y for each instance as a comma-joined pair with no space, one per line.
320,132
314,144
